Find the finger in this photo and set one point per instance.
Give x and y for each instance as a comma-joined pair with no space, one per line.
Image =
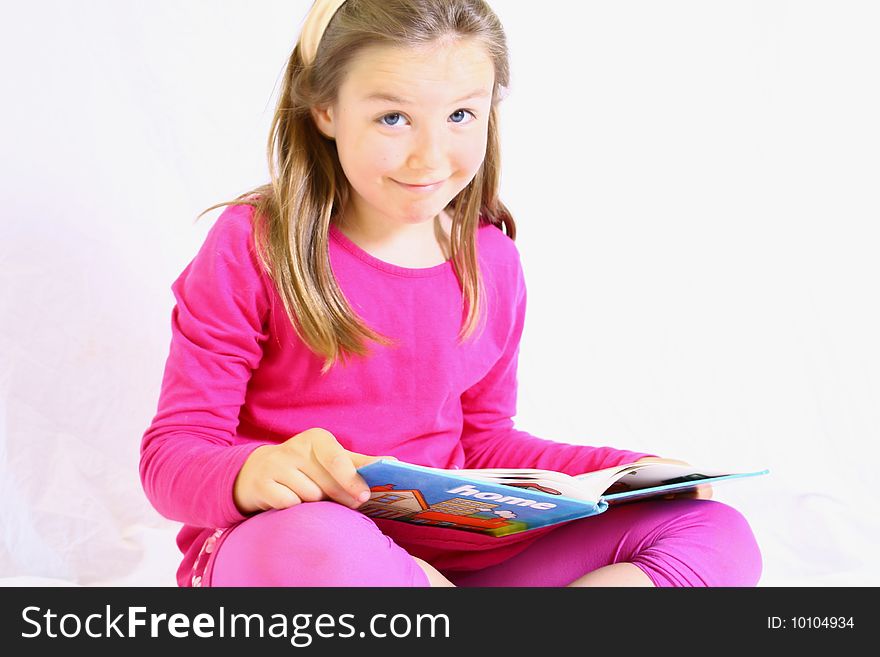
362,491
332,488
703,492
681,496
333,470
343,469
278,496
302,485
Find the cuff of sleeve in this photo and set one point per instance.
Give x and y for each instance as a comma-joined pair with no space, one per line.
230,513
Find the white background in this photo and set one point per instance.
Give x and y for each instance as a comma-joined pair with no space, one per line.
695,186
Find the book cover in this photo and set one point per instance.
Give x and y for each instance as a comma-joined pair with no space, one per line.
502,502
440,498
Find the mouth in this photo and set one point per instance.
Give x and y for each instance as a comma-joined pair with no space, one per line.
424,188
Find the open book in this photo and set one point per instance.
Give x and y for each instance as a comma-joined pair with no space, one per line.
498,502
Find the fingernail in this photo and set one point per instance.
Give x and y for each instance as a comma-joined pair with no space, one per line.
363,497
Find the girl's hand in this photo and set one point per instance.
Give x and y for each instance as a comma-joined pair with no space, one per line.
657,459
308,467
702,492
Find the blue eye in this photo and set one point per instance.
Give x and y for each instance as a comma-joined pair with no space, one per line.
390,125
398,116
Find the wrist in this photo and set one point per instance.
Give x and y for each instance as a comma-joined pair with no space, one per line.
658,459
242,486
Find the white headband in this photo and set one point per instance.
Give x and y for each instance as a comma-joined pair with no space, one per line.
315,24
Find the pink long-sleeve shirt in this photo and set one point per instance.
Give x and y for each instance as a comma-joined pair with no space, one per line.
238,377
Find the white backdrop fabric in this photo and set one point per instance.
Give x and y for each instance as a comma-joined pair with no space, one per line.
695,189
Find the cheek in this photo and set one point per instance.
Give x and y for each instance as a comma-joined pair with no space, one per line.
472,155
374,158
362,156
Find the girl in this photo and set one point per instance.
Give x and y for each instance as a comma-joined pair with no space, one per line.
369,302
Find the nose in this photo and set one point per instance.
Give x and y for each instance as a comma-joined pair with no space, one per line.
426,154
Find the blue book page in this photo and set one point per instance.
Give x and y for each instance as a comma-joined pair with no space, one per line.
426,496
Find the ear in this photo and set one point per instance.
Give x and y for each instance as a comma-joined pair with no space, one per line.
324,121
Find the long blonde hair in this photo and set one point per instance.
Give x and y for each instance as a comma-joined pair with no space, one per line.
308,186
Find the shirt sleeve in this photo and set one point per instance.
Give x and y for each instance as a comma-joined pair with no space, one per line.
189,455
489,437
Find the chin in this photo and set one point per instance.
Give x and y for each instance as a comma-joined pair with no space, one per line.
421,217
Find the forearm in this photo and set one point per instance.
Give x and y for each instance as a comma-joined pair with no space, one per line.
191,480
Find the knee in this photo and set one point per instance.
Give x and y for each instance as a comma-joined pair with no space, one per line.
731,541
320,536
312,544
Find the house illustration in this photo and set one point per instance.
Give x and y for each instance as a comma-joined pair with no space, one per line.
410,505
385,502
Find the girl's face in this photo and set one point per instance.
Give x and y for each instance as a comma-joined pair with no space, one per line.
411,129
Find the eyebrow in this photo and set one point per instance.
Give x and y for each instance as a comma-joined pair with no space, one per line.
402,101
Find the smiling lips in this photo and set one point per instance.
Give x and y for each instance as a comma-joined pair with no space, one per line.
421,188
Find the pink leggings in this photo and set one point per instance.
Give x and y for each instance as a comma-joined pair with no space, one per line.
679,542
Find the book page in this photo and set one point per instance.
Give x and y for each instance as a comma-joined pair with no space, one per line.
660,474
662,479
615,482
545,481
588,486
